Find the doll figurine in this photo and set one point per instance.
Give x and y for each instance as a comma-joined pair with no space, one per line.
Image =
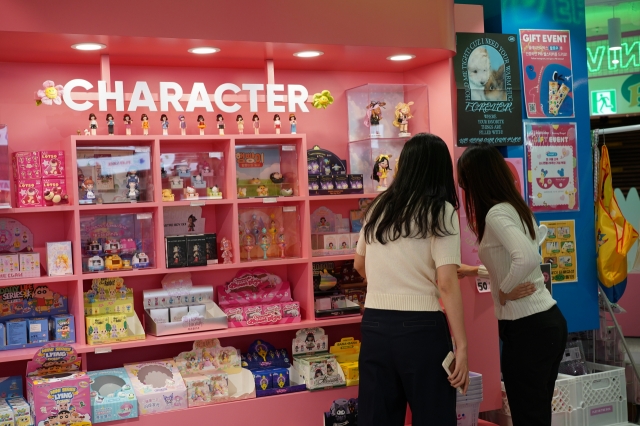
87,185
380,171
293,123
403,115
127,124
145,124
240,122
225,246
132,176
374,115
201,124
220,123
165,124
133,191
93,124
183,125
248,243
256,124
277,123
265,243
110,124
282,243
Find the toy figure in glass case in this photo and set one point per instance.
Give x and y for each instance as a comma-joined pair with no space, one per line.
293,123
87,185
110,124
220,124
381,170
201,124
374,115
165,124
132,191
225,246
132,176
403,115
277,124
145,124
262,191
282,243
265,243
183,125
93,124
256,124
127,124
240,122
191,223
248,243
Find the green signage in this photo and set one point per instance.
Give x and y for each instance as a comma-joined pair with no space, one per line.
603,102
600,58
617,94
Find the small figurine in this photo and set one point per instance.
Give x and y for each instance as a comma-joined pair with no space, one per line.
191,223
183,125
240,122
374,115
277,123
242,192
381,170
191,193
220,123
403,115
248,243
282,243
225,246
293,123
254,181
110,124
214,192
276,177
165,124
132,176
93,124
196,253
262,191
87,185
127,124
265,243
256,124
145,124
286,192
133,191
167,195
86,132
201,124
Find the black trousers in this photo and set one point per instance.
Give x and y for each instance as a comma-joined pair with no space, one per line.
532,348
401,362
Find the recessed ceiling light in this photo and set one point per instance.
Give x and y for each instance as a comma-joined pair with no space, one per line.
88,46
308,54
203,50
401,57
615,61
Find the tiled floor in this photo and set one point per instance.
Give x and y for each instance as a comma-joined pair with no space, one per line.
634,347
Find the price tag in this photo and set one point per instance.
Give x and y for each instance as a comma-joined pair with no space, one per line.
103,350
288,147
483,285
142,216
269,200
143,149
289,209
197,203
215,155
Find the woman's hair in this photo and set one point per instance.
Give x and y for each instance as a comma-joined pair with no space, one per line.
254,117
143,116
276,117
164,116
414,204
239,117
92,116
200,117
292,117
109,117
127,117
487,180
218,117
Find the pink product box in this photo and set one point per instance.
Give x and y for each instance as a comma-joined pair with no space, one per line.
229,295
60,398
28,193
26,165
52,164
29,264
265,314
57,188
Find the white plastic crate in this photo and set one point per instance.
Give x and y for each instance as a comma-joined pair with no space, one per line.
633,386
603,393
468,413
573,418
565,396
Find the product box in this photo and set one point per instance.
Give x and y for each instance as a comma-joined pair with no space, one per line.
314,184
266,314
341,183
355,182
38,330
327,183
29,264
176,251
21,411
10,263
176,313
199,390
113,328
3,336
16,332
354,240
211,248
250,287
6,415
52,164
262,379
29,300
26,165
112,396
63,327
344,242
196,250
54,191
159,316
108,296
28,193
59,258
158,385
11,387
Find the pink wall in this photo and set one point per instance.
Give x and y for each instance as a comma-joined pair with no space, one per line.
630,322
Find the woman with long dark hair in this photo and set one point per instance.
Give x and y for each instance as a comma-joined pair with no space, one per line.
532,328
410,239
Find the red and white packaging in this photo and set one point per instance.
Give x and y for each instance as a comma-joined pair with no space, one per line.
251,287
28,193
54,192
52,164
26,165
267,314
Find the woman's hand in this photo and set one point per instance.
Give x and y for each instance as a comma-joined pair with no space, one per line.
522,290
459,378
467,271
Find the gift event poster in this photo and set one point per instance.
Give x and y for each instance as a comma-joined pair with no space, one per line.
546,73
552,170
488,82
559,250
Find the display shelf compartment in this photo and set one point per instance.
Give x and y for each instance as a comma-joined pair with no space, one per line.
342,197
36,280
363,155
50,209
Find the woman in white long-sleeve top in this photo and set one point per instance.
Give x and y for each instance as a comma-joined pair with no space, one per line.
532,328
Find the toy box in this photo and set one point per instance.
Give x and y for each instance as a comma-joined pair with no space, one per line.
54,192
196,250
29,264
28,193
57,387
109,328
38,330
251,287
52,164
63,327
211,248
21,411
26,165
205,171
108,296
28,300
312,364
6,415
270,368
267,314
14,237
112,396
11,387
324,162
176,251
59,258
16,332
267,171
158,386
10,263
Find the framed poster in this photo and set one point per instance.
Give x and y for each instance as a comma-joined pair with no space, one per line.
559,250
488,82
546,73
552,166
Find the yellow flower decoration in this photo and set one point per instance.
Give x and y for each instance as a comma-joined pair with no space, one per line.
322,99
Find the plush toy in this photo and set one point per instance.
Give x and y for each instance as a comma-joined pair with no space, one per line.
55,196
322,99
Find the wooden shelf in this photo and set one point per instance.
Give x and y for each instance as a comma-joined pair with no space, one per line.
49,209
341,197
118,206
332,258
38,280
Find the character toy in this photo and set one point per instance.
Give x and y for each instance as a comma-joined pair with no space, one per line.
256,124
87,185
127,124
240,122
93,124
282,244
95,264
145,124
112,247
262,191
225,246
293,123
183,125
248,243
201,124
220,123
140,260
165,124
374,115
110,124
191,223
403,115
265,243
191,193
277,124
167,195
242,192
113,263
214,192
381,170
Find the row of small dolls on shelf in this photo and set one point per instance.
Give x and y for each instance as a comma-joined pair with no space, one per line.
114,255
39,178
182,124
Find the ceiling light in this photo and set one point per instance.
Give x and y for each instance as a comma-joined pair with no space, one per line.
88,46
615,34
203,50
401,57
615,61
308,54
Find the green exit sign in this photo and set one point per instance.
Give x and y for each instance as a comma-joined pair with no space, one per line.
603,102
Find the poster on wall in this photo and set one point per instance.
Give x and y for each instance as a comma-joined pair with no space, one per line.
516,166
559,250
489,92
546,72
552,171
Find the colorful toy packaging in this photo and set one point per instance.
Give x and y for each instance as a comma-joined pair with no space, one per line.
52,164
28,300
11,387
29,193
343,412
270,368
112,396
20,410
251,287
108,296
57,389
59,258
26,165
158,385
312,364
